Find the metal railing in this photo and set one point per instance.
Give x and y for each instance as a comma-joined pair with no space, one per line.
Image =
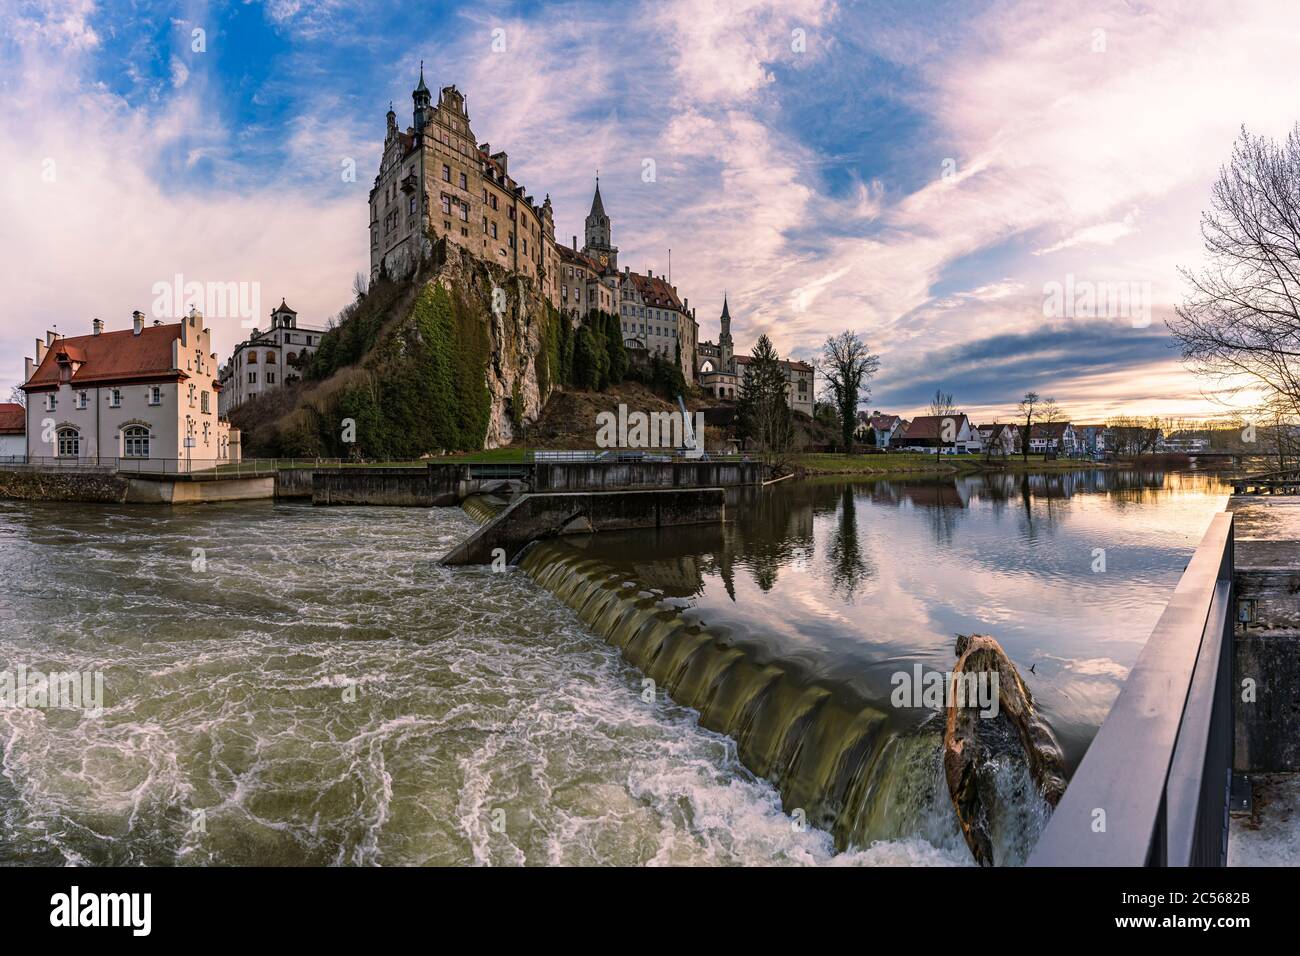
1153,788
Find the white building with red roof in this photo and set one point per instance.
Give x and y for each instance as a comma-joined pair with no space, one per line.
146,394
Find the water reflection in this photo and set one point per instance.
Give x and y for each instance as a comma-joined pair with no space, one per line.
858,579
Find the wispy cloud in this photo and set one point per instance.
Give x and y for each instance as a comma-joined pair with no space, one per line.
916,174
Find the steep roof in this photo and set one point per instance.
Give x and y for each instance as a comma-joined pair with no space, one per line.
1050,430
656,291
284,308
597,206
110,356
725,313
931,426
13,419
572,255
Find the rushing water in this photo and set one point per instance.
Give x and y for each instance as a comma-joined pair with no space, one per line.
286,685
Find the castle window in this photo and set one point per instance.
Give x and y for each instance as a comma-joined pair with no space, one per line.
135,442
485,225
51,402
69,443
494,202
464,213
115,398
83,399
252,378
252,358
446,173
204,406
270,358
494,230
446,206
464,183
155,395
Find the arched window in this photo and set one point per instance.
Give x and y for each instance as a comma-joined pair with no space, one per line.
135,442
69,443
707,367
291,358
270,358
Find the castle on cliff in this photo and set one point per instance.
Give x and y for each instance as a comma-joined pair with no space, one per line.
436,181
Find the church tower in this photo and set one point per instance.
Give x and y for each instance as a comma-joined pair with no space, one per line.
726,361
599,243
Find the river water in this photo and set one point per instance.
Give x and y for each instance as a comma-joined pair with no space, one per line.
289,685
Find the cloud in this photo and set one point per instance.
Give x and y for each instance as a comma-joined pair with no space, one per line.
807,179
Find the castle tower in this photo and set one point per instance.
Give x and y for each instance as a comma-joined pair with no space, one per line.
728,364
423,100
599,243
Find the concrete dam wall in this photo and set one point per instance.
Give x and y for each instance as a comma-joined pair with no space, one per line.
538,516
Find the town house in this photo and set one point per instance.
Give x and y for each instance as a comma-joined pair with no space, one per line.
147,394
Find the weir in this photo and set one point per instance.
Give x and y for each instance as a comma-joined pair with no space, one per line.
536,516
826,748
841,760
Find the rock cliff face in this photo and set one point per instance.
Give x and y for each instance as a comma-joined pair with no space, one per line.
454,359
516,314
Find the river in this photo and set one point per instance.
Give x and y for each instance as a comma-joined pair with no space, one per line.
289,685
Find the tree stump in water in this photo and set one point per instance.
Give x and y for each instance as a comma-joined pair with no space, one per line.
970,739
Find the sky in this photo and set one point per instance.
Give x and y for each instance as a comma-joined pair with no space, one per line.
996,196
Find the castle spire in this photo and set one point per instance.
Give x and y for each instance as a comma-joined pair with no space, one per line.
597,206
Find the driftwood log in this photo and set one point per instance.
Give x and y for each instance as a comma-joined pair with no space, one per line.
968,741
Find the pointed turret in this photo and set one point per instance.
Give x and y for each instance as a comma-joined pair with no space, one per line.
599,239
423,100
728,363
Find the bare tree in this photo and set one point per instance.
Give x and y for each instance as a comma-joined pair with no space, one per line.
847,365
941,406
18,396
1031,408
360,286
1240,323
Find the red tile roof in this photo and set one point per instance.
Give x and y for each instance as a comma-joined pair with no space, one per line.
110,357
13,419
931,426
572,255
1050,430
656,291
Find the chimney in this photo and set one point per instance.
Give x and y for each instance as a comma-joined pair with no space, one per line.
137,319
575,243
157,322
97,326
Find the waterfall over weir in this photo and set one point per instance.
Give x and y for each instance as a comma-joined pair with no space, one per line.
828,752
844,762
